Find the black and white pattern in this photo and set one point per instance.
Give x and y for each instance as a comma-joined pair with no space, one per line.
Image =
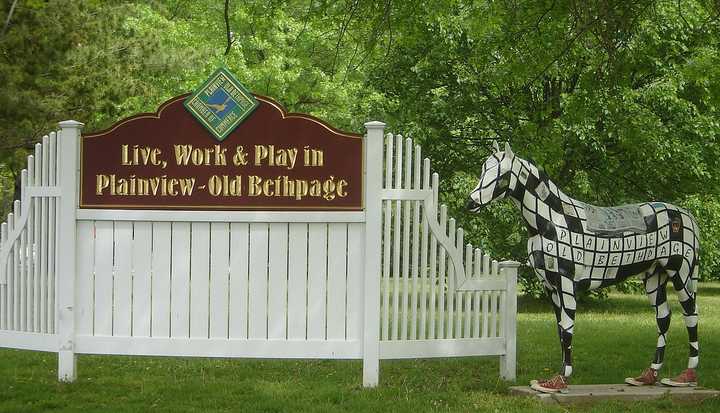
568,257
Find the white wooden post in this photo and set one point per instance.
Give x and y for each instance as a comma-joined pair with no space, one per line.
68,172
373,205
508,362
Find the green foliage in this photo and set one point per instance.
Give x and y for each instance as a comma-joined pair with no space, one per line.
619,101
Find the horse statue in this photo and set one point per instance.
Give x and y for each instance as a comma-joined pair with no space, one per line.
575,246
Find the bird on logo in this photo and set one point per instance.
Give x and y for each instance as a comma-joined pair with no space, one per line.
218,107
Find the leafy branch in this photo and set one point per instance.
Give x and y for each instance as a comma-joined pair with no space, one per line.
228,33
9,17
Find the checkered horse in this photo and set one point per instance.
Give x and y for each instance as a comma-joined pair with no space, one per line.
575,246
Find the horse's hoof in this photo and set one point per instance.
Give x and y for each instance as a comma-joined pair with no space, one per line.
556,384
687,378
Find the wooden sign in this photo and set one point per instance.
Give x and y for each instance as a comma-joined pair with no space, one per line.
271,161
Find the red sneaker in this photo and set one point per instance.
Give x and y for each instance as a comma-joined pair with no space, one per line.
647,378
554,385
687,378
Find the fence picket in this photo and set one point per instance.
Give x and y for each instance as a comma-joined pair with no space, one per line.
451,291
407,206
493,302
43,253
35,252
467,313
277,281
415,244
442,309
257,284
84,286
53,234
397,237
239,262
122,280
387,223
142,279
103,282
503,306
433,259
12,271
219,279
160,302
485,327
11,279
180,280
297,281
200,280
22,257
317,278
457,295
336,280
3,287
355,272
477,271
423,250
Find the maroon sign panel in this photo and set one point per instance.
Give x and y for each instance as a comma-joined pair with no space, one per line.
272,161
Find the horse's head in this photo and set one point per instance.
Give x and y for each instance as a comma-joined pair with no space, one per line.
496,179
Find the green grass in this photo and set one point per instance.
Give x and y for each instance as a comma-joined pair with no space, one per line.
614,338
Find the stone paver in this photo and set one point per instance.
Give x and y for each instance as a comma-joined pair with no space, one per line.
595,392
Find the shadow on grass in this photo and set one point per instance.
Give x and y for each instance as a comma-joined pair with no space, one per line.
709,289
615,303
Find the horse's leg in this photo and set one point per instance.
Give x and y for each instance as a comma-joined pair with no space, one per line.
565,306
655,282
552,294
686,287
565,319
656,289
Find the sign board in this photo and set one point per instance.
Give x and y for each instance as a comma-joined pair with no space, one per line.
272,160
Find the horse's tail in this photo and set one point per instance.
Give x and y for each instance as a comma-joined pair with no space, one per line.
695,278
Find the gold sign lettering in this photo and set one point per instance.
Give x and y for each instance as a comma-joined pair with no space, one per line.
136,186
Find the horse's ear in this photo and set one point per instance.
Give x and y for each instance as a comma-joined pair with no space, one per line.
508,150
496,147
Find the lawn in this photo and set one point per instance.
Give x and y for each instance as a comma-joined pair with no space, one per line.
614,338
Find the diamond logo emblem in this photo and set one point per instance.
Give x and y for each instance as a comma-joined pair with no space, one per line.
221,104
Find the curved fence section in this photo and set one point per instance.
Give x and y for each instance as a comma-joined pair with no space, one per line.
439,297
28,241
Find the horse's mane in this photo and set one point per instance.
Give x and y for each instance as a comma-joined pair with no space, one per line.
542,174
554,201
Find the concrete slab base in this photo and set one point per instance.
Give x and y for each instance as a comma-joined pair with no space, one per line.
595,392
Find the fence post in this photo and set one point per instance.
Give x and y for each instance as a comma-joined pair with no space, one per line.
373,206
68,166
508,362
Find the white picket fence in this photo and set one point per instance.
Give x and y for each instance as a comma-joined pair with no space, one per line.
28,255
392,281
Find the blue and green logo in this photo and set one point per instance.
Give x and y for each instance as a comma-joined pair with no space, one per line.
221,104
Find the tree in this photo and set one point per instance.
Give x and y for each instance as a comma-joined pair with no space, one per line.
617,100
